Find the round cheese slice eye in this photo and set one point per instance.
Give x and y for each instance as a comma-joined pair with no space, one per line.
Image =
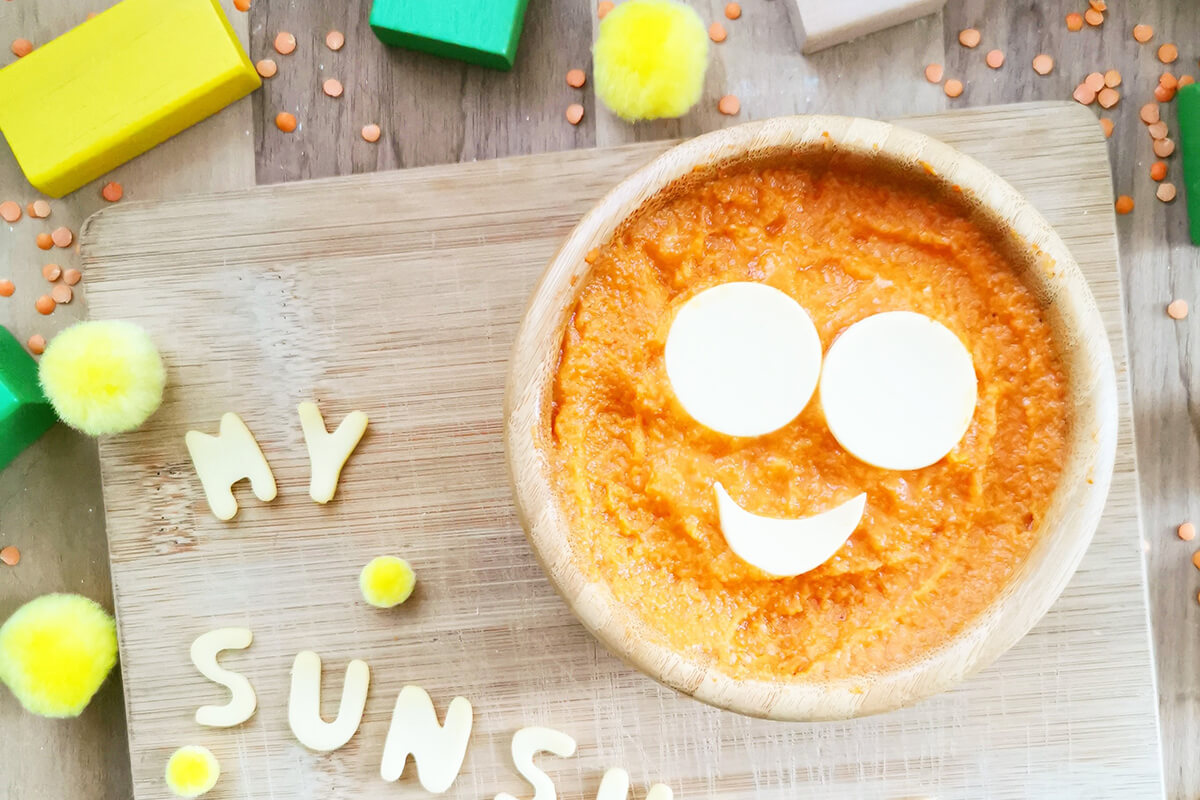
743,358
898,390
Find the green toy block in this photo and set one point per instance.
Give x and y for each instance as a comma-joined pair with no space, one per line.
484,32
25,413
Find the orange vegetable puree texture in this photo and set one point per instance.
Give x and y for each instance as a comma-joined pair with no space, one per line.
635,473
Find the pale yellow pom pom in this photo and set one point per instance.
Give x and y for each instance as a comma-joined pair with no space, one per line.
55,651
387,581
102,377
650,57
192,771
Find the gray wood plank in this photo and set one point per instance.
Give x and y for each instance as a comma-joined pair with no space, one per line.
50,502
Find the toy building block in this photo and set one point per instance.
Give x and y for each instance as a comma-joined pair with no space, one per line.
484,32
25,413
1189,147
116,86
823,23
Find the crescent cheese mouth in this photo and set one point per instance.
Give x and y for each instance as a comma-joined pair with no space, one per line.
785,548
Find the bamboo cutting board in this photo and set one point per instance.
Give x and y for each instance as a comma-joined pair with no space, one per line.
399,294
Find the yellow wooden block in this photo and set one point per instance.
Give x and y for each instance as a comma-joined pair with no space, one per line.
117,85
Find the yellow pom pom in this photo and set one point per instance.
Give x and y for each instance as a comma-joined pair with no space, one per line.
55,651
387,581
102,377
650,57
192,771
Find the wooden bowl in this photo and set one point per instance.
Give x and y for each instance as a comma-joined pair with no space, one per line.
1064,534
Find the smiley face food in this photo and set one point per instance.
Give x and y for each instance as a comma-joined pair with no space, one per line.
641,479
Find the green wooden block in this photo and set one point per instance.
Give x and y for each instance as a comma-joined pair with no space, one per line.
25,413
484,32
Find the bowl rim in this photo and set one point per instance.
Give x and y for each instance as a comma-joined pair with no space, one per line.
1076,510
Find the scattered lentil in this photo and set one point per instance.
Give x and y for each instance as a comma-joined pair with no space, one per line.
1093,17
72,276
1099,5
10,555
41,209
1157,130
335,40
1163,95
1167,53
576,78
371,133
1106,125
1094,81
1142,33
1124,204
1186,80
44,242
10,211
717,32
1158,170
44,304
285,43
934,73
1150,113
61,293
1165,192
112,192
969,37
1084,94
285,122
1074,22
1112,78
994,59
574,113
332,87
729,105
62,237
36,344
953,88
1108,97
266,68
1043,64
22,47
1187,531
51,272
7,288
603,7
241,5
1177,309
1168,81
1163,147
733,11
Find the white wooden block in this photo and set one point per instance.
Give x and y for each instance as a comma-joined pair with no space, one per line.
824,23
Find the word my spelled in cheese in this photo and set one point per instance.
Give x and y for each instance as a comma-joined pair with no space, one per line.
437,748
233,455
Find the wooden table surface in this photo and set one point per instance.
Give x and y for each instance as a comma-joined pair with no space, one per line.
435,111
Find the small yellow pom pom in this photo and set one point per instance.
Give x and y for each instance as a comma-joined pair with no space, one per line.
387,581
192,771
650,57
103,377
55,651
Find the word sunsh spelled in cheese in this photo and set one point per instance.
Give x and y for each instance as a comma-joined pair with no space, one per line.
438,749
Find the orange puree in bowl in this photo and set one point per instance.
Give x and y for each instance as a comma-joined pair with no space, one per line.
635,473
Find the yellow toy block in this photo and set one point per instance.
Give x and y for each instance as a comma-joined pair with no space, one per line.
117,85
